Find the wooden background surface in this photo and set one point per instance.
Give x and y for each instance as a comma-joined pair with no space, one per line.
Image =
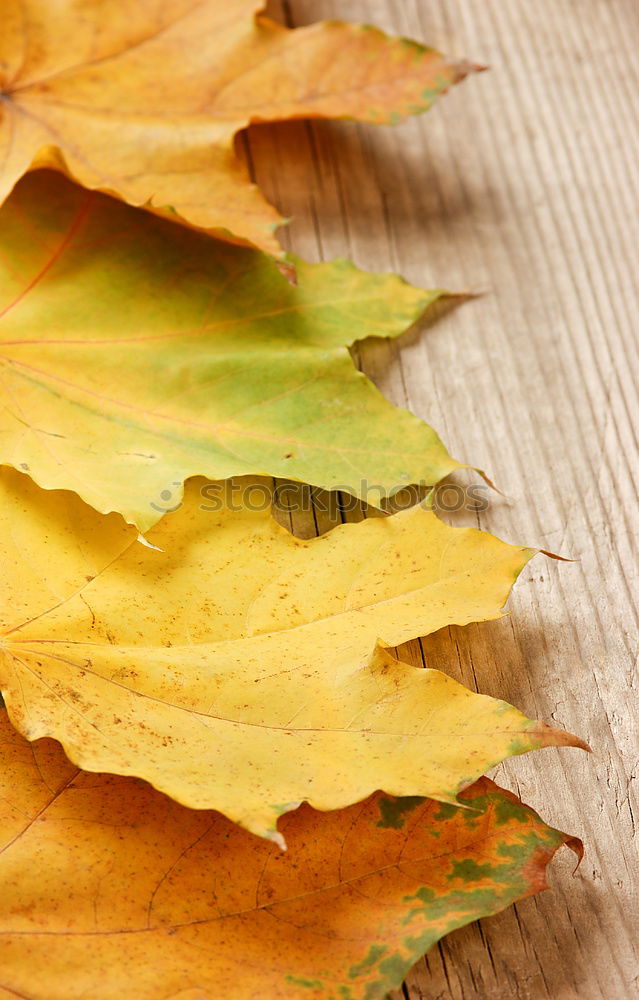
522,184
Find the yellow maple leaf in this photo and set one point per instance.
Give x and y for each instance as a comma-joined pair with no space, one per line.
144,100
241,669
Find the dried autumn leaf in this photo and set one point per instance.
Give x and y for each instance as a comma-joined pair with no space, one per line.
144,100
243,669
136,353
112,890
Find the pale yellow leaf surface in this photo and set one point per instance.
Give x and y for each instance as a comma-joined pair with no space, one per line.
238,668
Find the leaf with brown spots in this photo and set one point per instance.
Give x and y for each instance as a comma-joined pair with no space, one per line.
144,99
111,890
238,668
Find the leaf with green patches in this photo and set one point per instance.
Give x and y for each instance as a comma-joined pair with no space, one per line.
110,889
135,353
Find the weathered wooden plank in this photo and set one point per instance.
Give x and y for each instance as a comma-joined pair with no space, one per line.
522,183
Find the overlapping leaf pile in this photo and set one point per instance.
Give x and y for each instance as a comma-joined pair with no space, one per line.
232,666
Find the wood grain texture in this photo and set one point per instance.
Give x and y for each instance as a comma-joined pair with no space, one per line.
523,184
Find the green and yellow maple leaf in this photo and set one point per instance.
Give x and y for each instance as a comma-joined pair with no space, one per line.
144,100
239,668
111,890
135,353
